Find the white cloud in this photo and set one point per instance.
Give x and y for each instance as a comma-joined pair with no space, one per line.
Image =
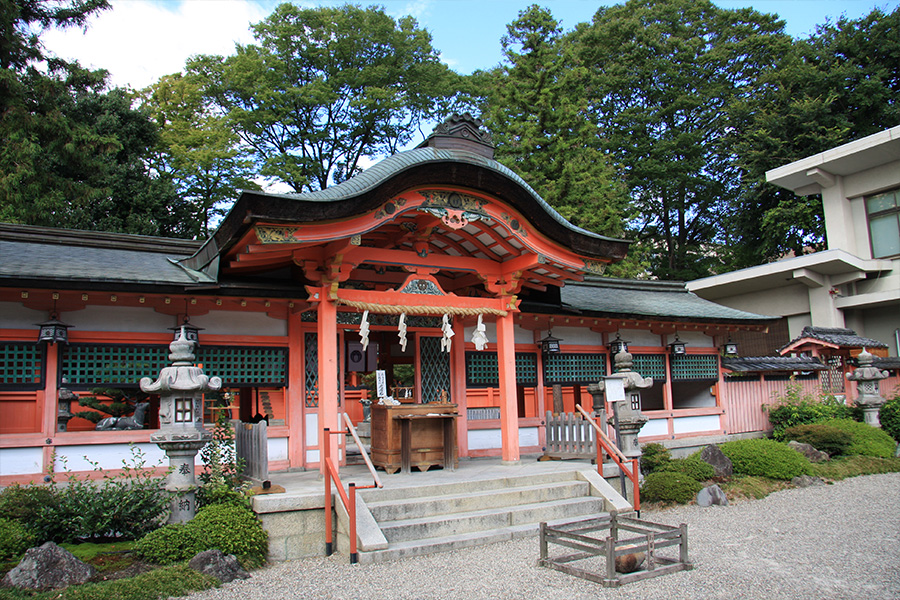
140,41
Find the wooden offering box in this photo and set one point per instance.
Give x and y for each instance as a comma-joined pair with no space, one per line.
414,435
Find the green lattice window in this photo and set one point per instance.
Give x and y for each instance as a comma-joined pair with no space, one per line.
695,367
21,366
650,365
570,368
242,365
121,365
311,368
435,369
89,365
482,369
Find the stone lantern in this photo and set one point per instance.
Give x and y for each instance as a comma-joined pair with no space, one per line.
627,417
64,408
181,433
869,397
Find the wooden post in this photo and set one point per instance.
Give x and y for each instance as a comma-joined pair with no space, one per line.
509,405
558,406
294,403
328,374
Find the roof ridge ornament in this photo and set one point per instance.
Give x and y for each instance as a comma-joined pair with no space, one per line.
461,132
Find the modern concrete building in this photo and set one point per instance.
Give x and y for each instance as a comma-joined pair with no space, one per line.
855,283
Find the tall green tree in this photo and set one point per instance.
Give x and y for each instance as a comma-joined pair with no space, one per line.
324,88
73,154
535,106
198,150
839,84
665,75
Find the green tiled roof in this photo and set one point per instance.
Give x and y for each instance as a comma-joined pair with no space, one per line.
647,299
36,253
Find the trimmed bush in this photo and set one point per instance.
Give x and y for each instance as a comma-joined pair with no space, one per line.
866,440
669,487
234,530
820,436
654,458
693,465
231,528
889,415
765,458
171,544
15,539
795,408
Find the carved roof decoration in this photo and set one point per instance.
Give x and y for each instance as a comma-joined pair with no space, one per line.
461,132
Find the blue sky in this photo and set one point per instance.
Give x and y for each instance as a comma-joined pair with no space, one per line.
138,41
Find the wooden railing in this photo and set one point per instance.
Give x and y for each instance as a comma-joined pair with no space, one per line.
606,444
348,498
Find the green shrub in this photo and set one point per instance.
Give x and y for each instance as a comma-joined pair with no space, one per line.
795,408
866,440
15,539
23,502
693,465
765,458
654,458
669,487
890,416
169,582
234,530
820,436
231,528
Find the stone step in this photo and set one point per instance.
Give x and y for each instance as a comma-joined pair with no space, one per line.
464,487
422,547
451,524
409,508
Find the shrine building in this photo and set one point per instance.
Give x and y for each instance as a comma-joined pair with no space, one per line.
438,265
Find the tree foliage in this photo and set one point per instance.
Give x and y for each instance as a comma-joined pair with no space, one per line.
74,155
324,88
840,84
536,108
664,78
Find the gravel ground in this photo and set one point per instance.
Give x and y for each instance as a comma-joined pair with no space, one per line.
839,541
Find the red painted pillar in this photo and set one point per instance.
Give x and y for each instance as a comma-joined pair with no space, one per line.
294,400
328,374
509,406
51,401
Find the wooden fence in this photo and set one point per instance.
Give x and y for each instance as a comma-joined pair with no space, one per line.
251,446
569,436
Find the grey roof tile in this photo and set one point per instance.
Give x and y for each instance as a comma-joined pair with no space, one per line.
839,336
744,364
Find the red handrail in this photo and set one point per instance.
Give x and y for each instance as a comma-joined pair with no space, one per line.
604,443
347,498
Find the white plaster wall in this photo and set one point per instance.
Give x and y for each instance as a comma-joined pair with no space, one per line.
108,456
528,436
576,336
21,461
312,456
278,448
484,439
638,337
119,318
696,424
654,427
233,322
693,338
15,316
312,429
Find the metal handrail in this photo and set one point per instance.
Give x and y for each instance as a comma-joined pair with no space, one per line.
604,443
348,498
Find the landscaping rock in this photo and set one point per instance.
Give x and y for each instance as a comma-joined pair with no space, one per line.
808,451
712,495
806,481
48,567
629,563
714,457
223,567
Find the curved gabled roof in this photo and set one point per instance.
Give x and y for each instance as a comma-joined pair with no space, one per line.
424,166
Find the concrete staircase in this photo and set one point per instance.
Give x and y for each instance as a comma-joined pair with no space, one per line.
398,522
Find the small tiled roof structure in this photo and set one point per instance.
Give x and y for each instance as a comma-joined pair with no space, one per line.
747,364
830,337
599,296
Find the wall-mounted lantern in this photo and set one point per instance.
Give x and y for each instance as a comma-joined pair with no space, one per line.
730,348
677,347
618,345
550,344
